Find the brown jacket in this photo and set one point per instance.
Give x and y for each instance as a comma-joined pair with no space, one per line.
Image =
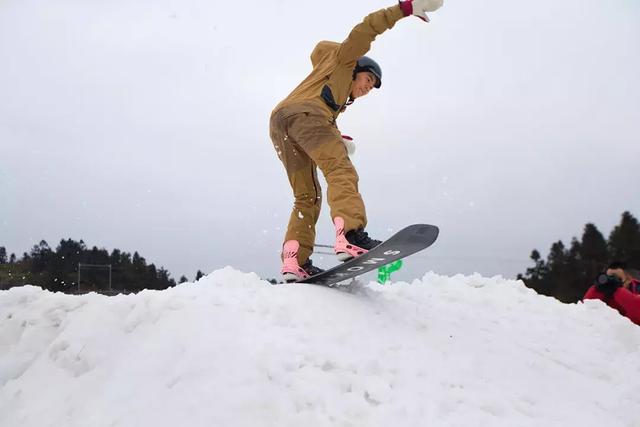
329,83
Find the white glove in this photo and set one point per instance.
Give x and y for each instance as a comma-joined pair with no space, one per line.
420,7
351,146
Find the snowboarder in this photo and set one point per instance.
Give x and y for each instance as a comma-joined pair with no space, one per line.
305,135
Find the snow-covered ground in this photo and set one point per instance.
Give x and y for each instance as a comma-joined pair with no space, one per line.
231,350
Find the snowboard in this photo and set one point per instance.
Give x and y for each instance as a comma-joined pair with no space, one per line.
405,242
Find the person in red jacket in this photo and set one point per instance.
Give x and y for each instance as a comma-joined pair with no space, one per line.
619,290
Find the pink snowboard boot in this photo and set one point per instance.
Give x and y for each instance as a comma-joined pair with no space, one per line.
352,244
291,271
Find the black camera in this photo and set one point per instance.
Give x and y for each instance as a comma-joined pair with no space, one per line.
604,279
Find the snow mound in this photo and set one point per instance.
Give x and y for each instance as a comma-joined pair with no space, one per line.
232,350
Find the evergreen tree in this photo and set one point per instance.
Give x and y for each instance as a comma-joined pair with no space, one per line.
593,254
164,281
183,279
539,270
593,245
575,283
69,255
3,255
39,263
199,275
624,241
40,256
536,277
152,277
558,262
139,272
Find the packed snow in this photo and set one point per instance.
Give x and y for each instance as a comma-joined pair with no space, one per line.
233,350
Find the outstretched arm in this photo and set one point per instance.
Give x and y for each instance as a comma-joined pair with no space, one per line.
359,40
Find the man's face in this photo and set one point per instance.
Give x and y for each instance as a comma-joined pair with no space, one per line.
362,84
620,274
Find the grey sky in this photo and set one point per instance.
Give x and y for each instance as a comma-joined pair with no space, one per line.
145,126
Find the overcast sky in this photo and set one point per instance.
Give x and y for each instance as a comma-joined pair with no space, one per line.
143,126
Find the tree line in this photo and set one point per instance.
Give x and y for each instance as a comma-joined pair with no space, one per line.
73,268
566,273
570,270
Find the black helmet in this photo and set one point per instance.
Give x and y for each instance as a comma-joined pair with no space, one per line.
367,64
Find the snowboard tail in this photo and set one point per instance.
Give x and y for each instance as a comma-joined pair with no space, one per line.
405,242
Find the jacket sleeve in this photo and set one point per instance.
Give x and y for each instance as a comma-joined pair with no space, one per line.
629,304
359,40
592,293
